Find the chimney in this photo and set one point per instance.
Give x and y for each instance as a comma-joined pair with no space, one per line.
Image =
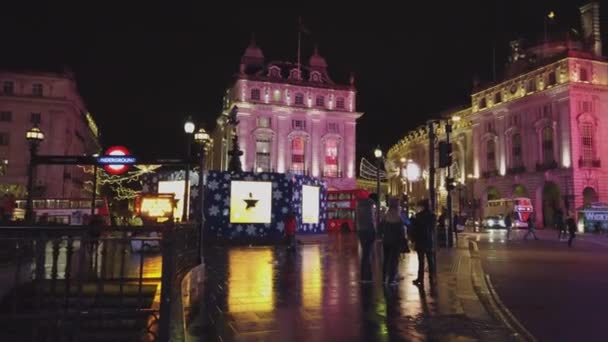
590,20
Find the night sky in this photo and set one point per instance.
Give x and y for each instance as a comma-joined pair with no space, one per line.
142,70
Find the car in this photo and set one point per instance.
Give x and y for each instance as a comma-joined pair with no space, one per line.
494,222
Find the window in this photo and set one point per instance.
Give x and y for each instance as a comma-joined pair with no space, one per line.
330,169
587,150
340,103
552,79
531,86
490,127
491,155
6,116
263,122
276,95
297,155
37,89
274,72
35,118
332,127
516,150
315,76
584,75
3,167
498,97
482,103
255,94
298,124
547,145
8,87
262,154
320,101
585,107
3,139
299,99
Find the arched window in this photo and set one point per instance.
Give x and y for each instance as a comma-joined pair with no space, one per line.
331,167
298,152
547,147
299,99
516,155
491,155
587,144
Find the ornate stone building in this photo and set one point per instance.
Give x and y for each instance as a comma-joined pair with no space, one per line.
51,101
292,118
538,131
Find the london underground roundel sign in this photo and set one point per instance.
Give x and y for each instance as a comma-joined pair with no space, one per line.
117,154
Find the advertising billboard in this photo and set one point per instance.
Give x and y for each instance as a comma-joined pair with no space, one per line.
310,204
250,202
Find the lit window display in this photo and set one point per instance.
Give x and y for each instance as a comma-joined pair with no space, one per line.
331,158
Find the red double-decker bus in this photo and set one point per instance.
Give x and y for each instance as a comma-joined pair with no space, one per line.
341,205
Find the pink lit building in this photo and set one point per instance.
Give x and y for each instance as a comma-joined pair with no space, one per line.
537,132
52,102
292,119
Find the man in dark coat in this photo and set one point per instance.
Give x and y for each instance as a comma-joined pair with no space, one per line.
424,235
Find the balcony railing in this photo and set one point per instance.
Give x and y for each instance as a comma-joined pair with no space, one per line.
546,166
589,163
516,170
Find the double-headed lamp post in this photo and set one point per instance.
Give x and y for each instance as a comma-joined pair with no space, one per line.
378,155
202,138
188,129
34,137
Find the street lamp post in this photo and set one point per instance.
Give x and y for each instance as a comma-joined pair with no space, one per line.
378,155
202,138
188,129
34,136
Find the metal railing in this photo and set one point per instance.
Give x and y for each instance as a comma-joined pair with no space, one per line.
78,283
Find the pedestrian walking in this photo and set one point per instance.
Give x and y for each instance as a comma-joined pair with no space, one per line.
508,224
571,229
560,224
531,228
424,235
392,241
291,224
367,235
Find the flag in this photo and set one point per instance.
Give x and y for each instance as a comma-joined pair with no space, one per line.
302,28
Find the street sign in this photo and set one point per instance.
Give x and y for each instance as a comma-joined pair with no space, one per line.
118,155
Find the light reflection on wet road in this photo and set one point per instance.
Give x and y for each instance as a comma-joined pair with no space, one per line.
271,294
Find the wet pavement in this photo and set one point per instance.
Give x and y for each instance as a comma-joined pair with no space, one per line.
557,293
314,294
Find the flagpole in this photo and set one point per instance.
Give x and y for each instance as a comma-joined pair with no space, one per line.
299,39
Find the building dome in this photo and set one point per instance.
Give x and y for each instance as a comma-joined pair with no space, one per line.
253,55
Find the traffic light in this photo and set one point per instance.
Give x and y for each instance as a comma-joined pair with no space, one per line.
445,154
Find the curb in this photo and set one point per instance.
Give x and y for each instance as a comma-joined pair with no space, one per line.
485,290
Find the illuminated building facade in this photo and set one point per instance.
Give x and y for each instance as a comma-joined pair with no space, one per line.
414,147
537,132
51,101
292,119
